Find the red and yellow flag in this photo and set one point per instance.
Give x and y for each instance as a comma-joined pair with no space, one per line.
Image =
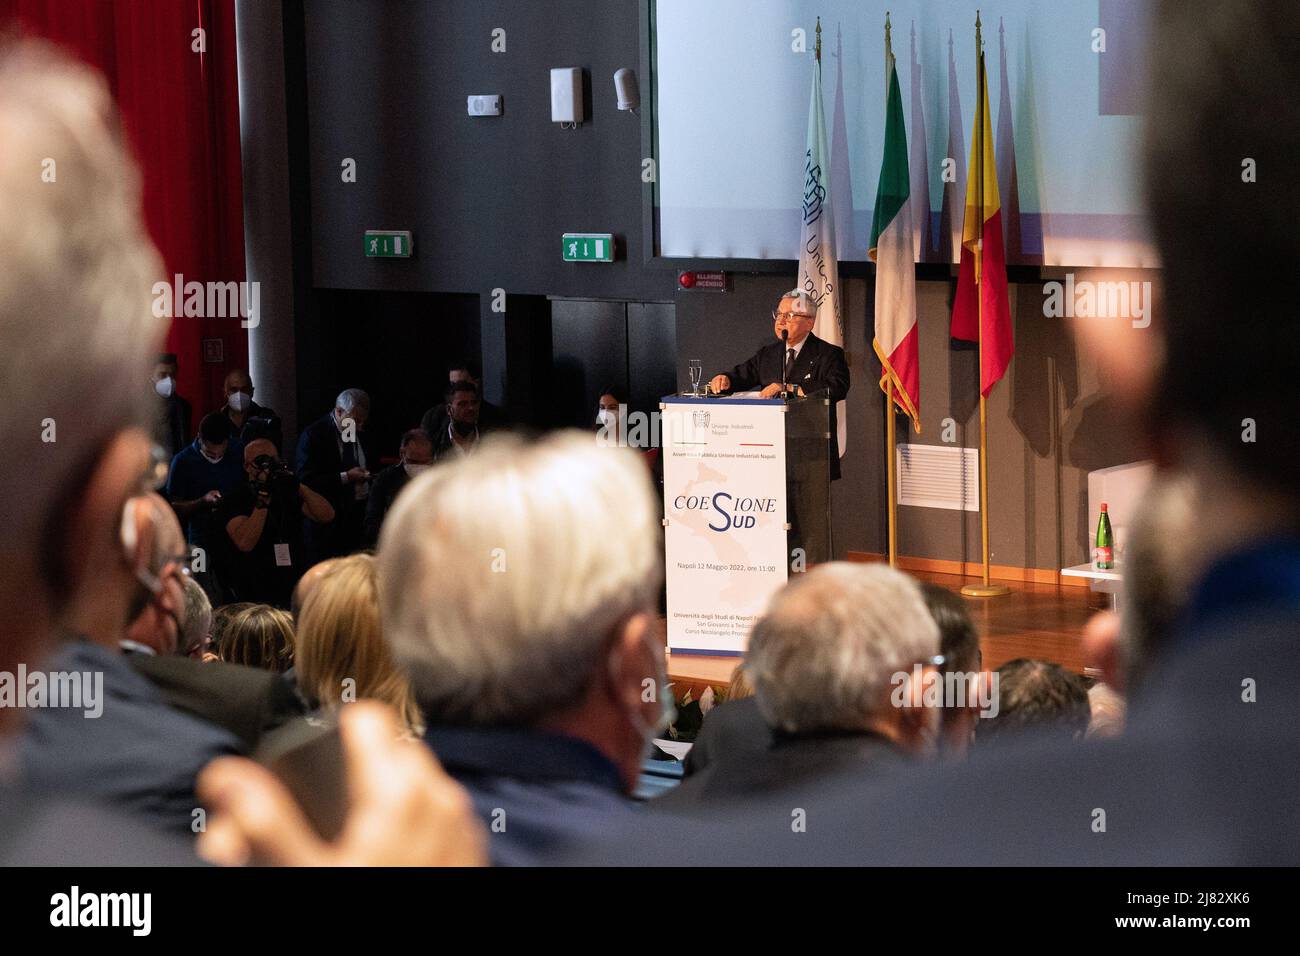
980,312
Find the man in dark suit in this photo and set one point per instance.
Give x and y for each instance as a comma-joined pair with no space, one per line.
174,413
248,420
824,661
805,363
417,456
334,459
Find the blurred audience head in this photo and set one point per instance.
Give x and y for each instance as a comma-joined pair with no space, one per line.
1164,558
258,636
196,621
221,620
78,339
153,539
339,650
959,644
740,686
828,654
1213,378
309,581
1037,696
551,550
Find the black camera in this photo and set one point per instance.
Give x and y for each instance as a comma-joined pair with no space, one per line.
280,482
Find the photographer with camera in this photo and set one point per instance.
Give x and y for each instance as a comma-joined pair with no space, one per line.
263,520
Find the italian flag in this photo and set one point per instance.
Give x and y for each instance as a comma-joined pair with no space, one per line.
980,312
891,250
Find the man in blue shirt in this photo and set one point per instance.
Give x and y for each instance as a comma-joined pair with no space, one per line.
201,474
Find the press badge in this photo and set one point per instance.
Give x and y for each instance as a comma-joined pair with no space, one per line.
282,555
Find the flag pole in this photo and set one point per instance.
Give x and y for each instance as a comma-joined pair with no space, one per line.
890,452
891,449
986,589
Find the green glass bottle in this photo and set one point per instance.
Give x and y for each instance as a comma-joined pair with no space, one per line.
1103,555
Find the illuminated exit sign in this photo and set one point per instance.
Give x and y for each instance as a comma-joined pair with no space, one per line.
388,244
588,247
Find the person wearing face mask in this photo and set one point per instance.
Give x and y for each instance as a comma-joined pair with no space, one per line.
612,431
248,419
519,599
174,414
825,662
417,457
201,474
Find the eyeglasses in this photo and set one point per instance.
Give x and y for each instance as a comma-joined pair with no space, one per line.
787,316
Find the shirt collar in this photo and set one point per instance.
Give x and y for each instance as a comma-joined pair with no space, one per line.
522,754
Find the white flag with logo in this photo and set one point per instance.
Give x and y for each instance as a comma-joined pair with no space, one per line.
819,274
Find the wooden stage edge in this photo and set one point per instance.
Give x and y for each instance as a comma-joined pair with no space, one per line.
973,569
1043,617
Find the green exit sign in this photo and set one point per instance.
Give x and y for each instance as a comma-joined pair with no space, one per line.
388,244
588,247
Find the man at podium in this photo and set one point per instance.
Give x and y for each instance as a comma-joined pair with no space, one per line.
804,362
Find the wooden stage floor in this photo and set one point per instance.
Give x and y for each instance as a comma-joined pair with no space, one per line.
1035,620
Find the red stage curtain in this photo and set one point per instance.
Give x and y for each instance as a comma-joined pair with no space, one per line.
181,112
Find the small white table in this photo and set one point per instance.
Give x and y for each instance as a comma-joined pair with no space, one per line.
1108,582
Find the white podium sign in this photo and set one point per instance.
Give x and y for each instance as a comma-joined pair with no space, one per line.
725,511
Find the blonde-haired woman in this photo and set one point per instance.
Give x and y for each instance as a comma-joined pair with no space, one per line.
340,654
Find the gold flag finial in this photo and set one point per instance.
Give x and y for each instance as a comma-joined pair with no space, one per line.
819,39
979,35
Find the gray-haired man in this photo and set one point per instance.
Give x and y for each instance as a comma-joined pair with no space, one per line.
334,460
805,363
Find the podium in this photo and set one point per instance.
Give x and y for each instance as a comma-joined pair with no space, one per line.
746,503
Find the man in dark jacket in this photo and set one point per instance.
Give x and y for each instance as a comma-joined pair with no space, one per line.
417,456
174,412
824,661
335,460
805,363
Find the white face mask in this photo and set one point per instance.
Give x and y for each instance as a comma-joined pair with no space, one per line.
165,386
663,693
238,401
415,471
213,459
